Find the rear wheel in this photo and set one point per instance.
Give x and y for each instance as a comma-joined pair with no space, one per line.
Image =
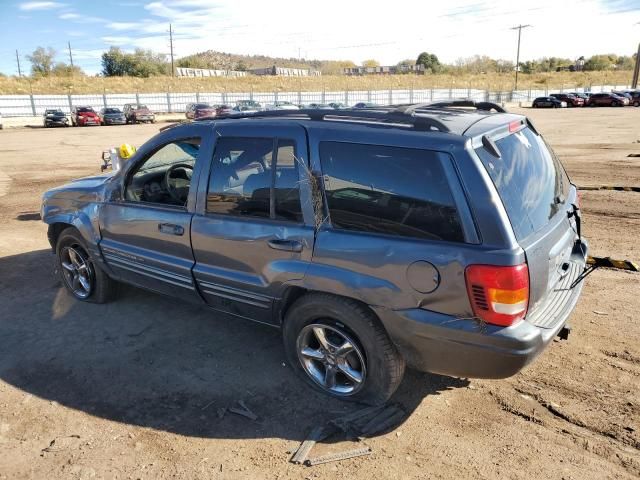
78,271
339,347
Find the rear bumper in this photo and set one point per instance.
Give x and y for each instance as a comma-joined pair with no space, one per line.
462,347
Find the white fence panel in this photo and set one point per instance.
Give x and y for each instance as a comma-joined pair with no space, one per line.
29,105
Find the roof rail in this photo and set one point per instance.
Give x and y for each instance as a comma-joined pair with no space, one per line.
364,115
485,106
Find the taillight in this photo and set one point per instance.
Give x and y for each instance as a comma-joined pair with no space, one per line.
499,294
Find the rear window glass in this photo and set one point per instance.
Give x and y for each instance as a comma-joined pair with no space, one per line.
389,190
529,178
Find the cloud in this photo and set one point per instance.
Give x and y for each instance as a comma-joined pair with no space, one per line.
69,16
78,18
28,6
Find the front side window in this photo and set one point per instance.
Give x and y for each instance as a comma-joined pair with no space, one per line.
248,179
165,176
389,190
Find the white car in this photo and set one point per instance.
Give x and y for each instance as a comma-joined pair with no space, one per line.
282,106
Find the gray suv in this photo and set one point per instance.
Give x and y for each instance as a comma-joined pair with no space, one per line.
445,237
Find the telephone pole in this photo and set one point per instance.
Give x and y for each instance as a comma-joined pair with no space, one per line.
636,70
70,55
18,60
173,70
519,28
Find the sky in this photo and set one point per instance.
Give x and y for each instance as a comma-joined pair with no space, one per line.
328,29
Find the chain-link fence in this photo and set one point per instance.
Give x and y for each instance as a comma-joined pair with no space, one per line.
169,102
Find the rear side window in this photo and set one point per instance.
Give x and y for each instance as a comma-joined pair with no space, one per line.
249,180
389,190
529,178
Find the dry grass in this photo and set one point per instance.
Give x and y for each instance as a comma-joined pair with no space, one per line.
494,82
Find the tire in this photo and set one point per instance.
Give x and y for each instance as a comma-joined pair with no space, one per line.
102,288
636,104
374,357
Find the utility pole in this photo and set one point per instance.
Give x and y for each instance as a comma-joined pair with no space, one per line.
519,28
636,70
173,70
70,55
18,60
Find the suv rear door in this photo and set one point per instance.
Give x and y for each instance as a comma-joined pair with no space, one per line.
253,231
539,201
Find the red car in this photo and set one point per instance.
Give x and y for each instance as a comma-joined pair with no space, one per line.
606,100
83,116
571,100
200,110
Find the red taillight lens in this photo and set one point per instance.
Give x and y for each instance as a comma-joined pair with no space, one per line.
515,126
499,295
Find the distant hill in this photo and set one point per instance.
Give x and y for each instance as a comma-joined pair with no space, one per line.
231,61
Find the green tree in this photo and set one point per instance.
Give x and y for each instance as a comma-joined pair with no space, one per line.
42,61
429,61
63,70
141,63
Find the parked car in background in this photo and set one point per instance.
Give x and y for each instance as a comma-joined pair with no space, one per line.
548,102
337,105
365,105
582,95
322,106
570,99
635,98
247,105
200,110
84,116
112,116
626,95
606,100
54,117
224,110
282,106
136,113
449,239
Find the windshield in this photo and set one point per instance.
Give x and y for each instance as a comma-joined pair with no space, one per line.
53,112
141,107
85,110
529,178
112,110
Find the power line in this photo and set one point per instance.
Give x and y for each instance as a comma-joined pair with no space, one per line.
519,28
18,60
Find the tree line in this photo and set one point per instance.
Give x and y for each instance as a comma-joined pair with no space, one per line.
146,63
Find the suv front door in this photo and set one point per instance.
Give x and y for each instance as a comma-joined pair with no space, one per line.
145,229
253,230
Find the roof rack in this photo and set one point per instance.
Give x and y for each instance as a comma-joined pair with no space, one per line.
484,106
377,115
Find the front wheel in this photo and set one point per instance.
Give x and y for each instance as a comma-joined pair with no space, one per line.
79,273
339,347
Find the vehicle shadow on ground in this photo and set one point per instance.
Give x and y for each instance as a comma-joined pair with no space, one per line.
156,362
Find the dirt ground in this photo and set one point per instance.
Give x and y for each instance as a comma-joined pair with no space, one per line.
132,389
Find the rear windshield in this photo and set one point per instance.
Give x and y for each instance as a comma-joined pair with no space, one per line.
529,178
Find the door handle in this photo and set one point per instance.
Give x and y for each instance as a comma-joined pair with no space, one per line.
170,229
286,245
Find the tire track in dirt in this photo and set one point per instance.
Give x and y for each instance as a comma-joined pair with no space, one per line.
5,181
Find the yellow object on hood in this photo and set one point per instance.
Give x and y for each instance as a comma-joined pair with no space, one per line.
126,150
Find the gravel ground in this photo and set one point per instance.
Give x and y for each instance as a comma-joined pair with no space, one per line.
133,389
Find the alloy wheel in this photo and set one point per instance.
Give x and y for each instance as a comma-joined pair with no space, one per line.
331,358
77,270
